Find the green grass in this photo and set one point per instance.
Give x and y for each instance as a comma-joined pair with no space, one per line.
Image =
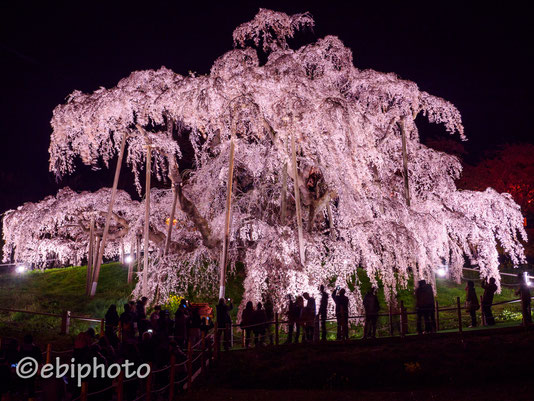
57,290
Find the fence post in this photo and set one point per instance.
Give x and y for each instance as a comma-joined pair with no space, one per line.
172,376
83,395
391,318
102,326
120,387
65,322
48,353
243,342
482,316
203,354
403,319
189,364
217,345
459,315
149,383
437,316
276,328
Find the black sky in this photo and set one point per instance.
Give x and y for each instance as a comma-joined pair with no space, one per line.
476,57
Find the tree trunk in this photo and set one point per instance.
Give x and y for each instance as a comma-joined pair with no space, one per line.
90,256
405,164
224,252
138,253
121,257
171,220
297,199
283,200
147,220
108,216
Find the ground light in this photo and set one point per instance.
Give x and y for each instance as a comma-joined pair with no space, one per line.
442,271
20,269
128,259
527,279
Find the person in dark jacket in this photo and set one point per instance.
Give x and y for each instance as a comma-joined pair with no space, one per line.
487,300
112,324
308,316
424,302
524,293
371,306
180,328
247,320
29,349
224,321
126,324
292,318
342,313
471,302
323,308
269,313
260,318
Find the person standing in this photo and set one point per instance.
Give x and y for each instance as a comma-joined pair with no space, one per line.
524,293
342,313
269,312
323,308
224,321
471,302
247,320
424,302
291,319
371,306
308,316
260,318
487,300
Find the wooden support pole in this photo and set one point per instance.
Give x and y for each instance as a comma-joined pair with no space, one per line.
121,254
459,308
226,235
243,339
65,322
108,217
203,353
437,316
297,198
482,316
48,353
189,364
83,395
149,381
217,347
138,253
171,219
403,320
172,376
120,387
102,327
276,329
90,256
147,220
405,163
283,196
391,318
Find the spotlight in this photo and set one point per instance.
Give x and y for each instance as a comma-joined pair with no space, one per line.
527,279
20,269
442,272
128,259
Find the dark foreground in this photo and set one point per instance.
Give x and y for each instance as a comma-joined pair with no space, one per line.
485,365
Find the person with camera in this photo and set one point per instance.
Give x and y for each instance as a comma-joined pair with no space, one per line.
342,313
224,321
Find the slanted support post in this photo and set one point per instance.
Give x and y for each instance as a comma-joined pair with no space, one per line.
226,235
405,163
297,198
108,217
283,196
147,219
171,219
90,256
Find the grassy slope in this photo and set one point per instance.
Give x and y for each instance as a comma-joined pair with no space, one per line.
56,290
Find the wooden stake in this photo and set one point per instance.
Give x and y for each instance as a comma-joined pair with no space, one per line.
147,219
283,200
90,255
437,316
48,353
172,377
277,328
122,252
130,263
391,318
83,394
171,220
459,315
108,216
405,163
297,198
226,237
189,365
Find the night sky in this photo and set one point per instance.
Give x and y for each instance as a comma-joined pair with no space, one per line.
478,58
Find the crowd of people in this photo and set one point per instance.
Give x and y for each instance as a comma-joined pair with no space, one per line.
153,338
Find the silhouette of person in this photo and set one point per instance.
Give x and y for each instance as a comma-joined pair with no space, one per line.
323,308
247,320
487,300
524,293
260,317
471,302
371,306
308,316
224,321
342,313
